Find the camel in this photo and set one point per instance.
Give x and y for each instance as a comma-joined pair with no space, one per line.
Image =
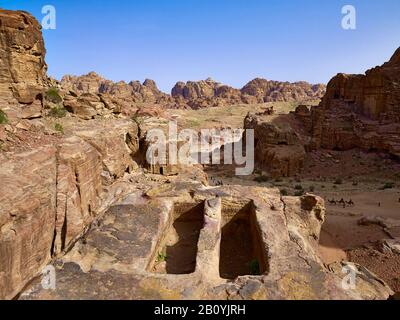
332,202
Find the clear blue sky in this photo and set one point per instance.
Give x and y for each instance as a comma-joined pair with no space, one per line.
232,41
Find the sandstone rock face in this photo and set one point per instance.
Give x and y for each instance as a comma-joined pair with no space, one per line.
116,144
205,93
91,95
27,216
277,147
192,94
78,190
134,92
75,196
269,91
193,90
361,111
22,65
208,93
49,197
120,252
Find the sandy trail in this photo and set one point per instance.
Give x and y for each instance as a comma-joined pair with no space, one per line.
341,231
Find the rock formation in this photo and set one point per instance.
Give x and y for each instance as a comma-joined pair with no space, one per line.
361,111
127,98
22,65
122,252
357,111
207,93
93,83
52,194
192,94
277,147
73,196
262,90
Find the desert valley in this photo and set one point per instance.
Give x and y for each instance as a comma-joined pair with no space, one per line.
78,196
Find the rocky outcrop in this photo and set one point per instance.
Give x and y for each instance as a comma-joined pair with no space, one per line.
192,94
122,251
133,92
206,93
361,111
91,95
28,195
72,195
50,196
262,90
22,65
277,147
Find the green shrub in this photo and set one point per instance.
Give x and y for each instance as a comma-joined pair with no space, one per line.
58,112
161,257
58,127
3,117
298,187
52,95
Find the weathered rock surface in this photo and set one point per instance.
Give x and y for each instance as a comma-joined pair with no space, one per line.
28,197
206,93
22,65
115,259
277,147
49,197
119,96
269,91
361,111
192,94
71,193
